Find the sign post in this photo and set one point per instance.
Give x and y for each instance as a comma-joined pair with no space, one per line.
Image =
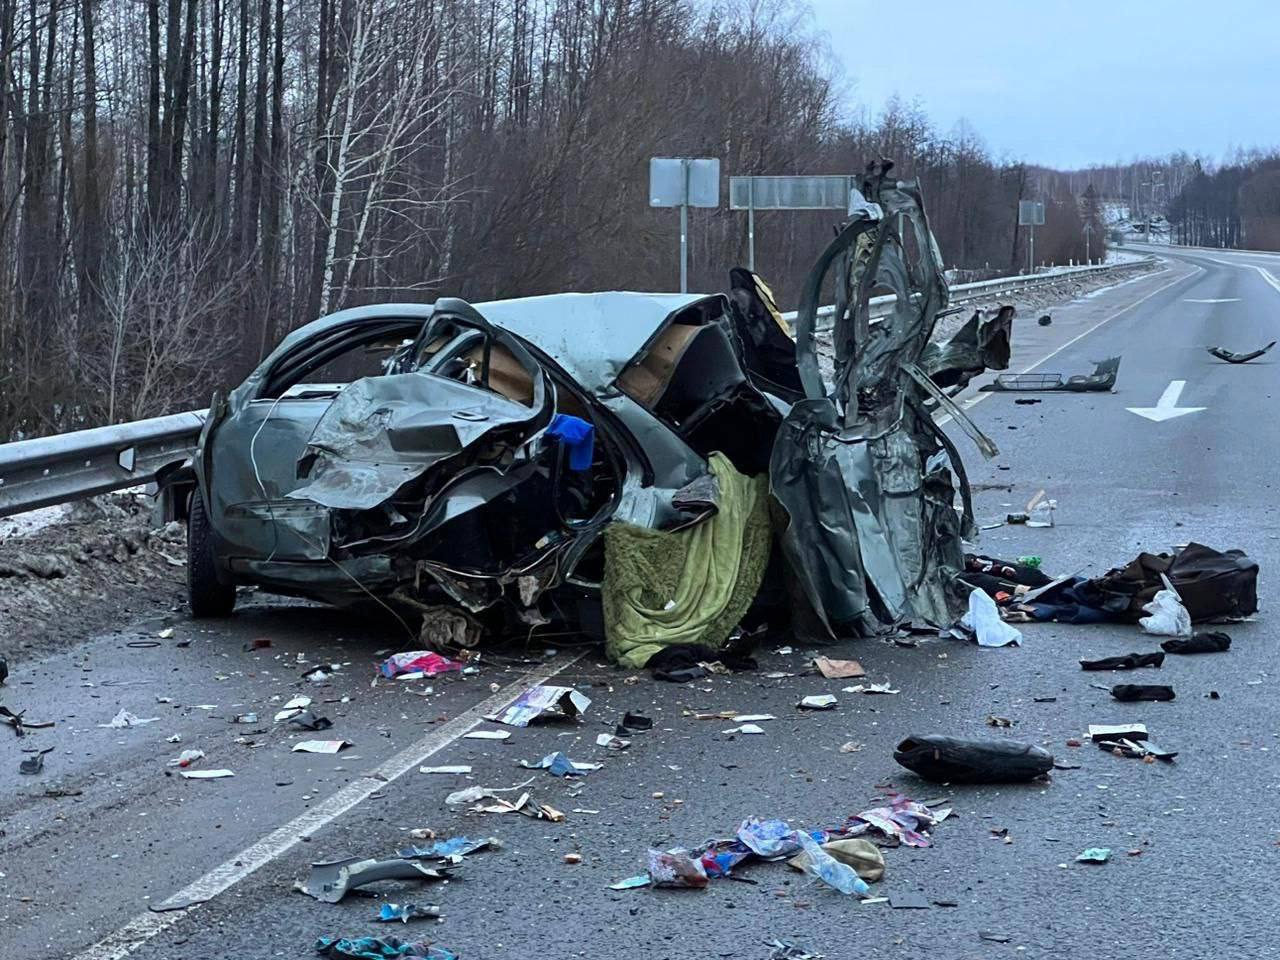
684,182
785,193
1031,215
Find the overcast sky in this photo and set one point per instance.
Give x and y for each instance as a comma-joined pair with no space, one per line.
1071,82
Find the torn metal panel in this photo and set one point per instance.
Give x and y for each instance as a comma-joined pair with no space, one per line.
1231,357
867,486
1102,380
983,343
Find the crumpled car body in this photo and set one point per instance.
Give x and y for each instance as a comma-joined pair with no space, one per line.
473,454
439,476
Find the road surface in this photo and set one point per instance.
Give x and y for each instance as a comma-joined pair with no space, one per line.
81,872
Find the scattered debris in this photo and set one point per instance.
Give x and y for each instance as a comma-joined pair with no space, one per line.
885,687
21,724
451,850
457,769
1232,357
1027,401
34,763
404,912
561,766
332,880
166,633
953,760
786,950
824,701
487,735
995,721
839,669
850,747
1166,616
862,855
541,701
745,728
612,741
1133,692
1130,661
821,864
1208,642
908,901
572,858
186,758
1101,380
292,708
631,883
636,722
126,719
307,721
379,948
994,937
205,774
1095,855
425,662
320,746
982,622
4,670
1044,320
243,718
1131,731
675,868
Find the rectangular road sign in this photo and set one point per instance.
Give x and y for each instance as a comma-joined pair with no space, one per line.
671,186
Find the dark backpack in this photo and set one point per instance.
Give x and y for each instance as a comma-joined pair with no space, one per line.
1213,585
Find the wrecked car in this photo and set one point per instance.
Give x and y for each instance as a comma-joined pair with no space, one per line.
643,467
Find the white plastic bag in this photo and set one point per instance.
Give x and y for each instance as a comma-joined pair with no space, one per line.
983,618
1168,617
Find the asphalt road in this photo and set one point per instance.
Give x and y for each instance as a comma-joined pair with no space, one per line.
81,871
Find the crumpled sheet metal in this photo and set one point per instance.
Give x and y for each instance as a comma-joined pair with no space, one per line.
870,542
331,881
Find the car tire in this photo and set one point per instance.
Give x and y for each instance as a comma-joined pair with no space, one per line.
207,595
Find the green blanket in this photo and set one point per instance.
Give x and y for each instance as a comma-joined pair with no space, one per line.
686,586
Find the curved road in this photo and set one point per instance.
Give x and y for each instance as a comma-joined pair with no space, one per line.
81,871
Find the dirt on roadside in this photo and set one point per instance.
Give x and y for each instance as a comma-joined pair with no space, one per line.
98,566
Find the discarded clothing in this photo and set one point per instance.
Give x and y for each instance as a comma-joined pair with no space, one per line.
379,948
1208,642
1131,661
831,871
952,760
1212,584
1133,692
1013,573
691,585
578,437
1232,357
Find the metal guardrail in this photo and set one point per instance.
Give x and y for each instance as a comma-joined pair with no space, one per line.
962,292
71,466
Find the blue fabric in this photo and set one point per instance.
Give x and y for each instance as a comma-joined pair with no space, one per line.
578,436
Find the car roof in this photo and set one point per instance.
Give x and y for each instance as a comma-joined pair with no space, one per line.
591,336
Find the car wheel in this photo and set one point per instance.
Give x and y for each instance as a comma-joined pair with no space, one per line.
207,595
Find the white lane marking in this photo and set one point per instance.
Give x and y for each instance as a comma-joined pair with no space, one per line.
1213,300
135,933
1166,407
974,401
1268,276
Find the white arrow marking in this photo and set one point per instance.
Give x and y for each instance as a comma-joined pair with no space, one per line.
1166,407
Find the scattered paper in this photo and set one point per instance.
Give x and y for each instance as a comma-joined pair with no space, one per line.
536,701
166,633
839,669
487,735
745,728
457,768
320,746
824,701
870,688
753,717
561,766
205,774
293,708
612,741
126,719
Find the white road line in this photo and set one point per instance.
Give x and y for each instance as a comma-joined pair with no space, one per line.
135,933
974,401
1268,276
